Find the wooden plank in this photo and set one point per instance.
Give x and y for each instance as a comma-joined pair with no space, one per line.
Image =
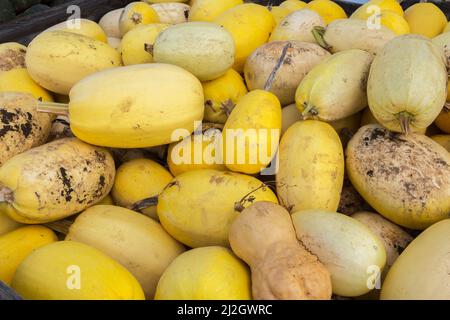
25,28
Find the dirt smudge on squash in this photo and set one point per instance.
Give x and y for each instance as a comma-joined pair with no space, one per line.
216,180
11,59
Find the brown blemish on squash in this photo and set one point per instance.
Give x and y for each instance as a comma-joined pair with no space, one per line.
11,59
216,180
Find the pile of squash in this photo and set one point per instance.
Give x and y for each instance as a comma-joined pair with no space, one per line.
227,150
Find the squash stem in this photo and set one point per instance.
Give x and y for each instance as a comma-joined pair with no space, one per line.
61,226
53,108
6,194
144,204
277,67
318,34
309,109
405,121
447,107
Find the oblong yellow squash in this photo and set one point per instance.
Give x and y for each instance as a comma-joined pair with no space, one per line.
298,59
144,248
336,87
136,46
211,273
84,27
407,84
443,140
297,26
21,126
18,80
354,255
135,14
202,150
55,180
221,96
137,180
252,132
345,34
136,106
311,169
16,245
172,12
110,23
198,207
250,25
56,60
205,49
406,178
421,271
208,10
69,270
7,224
12,56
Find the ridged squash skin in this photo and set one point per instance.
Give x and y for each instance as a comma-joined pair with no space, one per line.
137,180
311,168
221,96
53,272
210,273
56,60
172,13
12,56
135,14
203,149
18,80
336,87
202,48
135,47
21,126
84,27
299,59
55,180
406,178
198,207
421,271
7,224
352,253
297,26
135,106
144,248
208,10
345,34
407,79
16,245
250,25
252,132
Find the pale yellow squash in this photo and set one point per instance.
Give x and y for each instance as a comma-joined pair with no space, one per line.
69,270
56,60
327,9
16,245
135,106
421,271
205,49
135,14
279,13
293,5
354,255
250,25
137,180
172,12
136,46
252,132
221,96
110,23
211,273
443,140
311,169
407,84
198,207
18,80
84,27
144,248
208,10
336,87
